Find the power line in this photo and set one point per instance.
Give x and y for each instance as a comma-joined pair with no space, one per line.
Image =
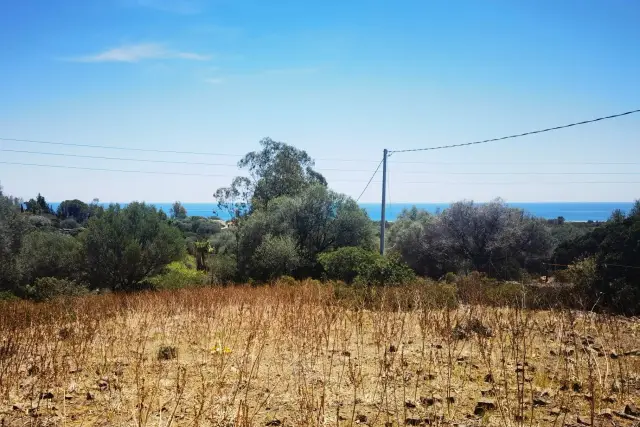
370,179
176,162
584,122
137,171
128,159
116,158
150,150
113,147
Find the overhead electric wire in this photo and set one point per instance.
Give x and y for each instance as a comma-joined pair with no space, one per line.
137,171
155,150
584,122
178,162
370,179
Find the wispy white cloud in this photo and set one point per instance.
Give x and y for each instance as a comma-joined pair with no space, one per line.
140,52
214,80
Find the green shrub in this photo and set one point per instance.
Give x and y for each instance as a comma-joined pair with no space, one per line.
178,275
346,264
39,221
389,270
276,256
357,265
126,246
222,268
69,224
49,254
47,288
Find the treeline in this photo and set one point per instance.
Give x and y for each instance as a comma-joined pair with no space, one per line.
285,221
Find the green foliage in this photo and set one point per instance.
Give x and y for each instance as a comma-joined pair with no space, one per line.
69,224
347,263
275,256
279,170
387,270
491,238
73,209
177,211
124,247
317,220
605,263
48,288
39,221
49,254
223,268
39,206
13,227
178,275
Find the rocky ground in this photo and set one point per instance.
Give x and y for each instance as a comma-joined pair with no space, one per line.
275,357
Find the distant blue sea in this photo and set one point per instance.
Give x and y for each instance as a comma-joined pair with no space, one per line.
571,211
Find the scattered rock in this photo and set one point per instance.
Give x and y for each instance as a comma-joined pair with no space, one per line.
90,396
361,418
46,395
409,404
103,384
16,407
606,413
427,401
451,399
346,353
540,401
609,399
484,405
616,386
167,352
635,352
459,333
488,393
392,348
632,409
613,355
555,411
576,387
412,421
275,422
488,378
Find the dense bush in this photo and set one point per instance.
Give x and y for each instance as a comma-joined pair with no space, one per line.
491,238
73,209
223,268
124,247
47,288
347,263
177,275
275,256
69,224
364,267
39,221
49,254
13,227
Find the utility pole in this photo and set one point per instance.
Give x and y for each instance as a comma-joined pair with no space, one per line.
384,200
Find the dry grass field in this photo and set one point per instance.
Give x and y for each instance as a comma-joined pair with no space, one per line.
295,355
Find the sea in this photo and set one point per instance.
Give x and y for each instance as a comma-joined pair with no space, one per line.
571,211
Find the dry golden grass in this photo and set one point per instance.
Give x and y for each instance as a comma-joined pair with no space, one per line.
298,356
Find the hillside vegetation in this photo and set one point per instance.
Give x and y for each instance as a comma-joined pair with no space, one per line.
285,221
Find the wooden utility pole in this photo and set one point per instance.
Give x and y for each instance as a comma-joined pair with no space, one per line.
384,200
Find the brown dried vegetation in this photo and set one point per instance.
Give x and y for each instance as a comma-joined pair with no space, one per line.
286,355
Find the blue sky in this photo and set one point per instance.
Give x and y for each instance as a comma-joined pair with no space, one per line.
340,79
